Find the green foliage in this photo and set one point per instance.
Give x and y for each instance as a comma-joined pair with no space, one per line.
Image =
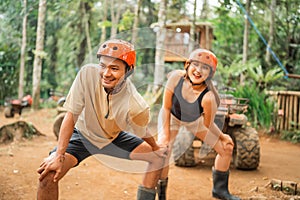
260,107
228,33
9,78
126,21
48,104
228,43
264,80
292,135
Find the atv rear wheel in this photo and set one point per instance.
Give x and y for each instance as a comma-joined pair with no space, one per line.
246,153
183,150
9,112
57,123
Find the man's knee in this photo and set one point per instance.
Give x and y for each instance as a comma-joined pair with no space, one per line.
47,181
158,161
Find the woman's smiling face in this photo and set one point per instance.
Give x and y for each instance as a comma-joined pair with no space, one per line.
198,72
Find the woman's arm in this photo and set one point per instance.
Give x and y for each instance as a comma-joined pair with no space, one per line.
209,106
210,109
165,115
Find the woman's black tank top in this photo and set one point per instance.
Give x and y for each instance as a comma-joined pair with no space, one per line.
184,110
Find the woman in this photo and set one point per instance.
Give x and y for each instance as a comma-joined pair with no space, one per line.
191,100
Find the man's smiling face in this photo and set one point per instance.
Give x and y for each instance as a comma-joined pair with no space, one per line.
112,71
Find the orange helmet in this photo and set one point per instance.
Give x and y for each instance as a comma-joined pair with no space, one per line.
120,49
205,57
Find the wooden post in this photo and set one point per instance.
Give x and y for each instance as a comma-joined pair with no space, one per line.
296,111
290,104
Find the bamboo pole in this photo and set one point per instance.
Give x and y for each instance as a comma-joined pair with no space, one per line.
287,103
295,93
298,111
295,106
296,76
281,106
290,112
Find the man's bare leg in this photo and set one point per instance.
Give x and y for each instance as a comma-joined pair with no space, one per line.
47,188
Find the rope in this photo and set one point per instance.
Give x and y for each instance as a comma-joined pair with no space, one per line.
263,39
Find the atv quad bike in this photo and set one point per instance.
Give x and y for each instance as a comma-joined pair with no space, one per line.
231,119
13,106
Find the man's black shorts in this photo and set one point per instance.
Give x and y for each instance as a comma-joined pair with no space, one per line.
120,147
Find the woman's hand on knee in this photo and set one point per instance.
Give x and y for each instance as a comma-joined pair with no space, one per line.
162,151
227,142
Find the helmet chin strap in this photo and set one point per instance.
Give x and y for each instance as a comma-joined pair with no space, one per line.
194,84
119,86
186,71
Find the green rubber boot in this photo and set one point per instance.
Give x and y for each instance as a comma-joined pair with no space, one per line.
162,189
145,193
220,186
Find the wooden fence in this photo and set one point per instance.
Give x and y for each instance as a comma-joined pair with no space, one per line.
288,107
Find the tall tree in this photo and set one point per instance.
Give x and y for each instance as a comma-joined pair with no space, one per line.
39,52
85,9
159,72
23,49
136,21
271,30
83,24
192,30
246,36
205,10
115,9
104,19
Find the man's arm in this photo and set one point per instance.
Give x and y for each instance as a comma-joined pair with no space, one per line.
159,150
65,133
151,141
55,161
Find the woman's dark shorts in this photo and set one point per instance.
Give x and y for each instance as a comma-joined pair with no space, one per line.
121,147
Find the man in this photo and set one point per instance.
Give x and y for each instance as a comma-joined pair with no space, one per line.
102,106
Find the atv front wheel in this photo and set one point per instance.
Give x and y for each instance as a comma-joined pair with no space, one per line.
246,153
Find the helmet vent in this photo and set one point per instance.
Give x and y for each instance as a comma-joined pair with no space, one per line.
115,48
104,46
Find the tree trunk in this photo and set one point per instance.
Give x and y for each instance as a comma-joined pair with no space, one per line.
104,19
23,53
86,19
115,16
245,42
159,71
155,91
205,10
192,41
82,29
136,21
271,31
37,64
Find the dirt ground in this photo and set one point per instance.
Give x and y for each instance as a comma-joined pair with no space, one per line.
95,180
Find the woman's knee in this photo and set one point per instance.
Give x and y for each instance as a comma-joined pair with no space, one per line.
225,151
228,150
